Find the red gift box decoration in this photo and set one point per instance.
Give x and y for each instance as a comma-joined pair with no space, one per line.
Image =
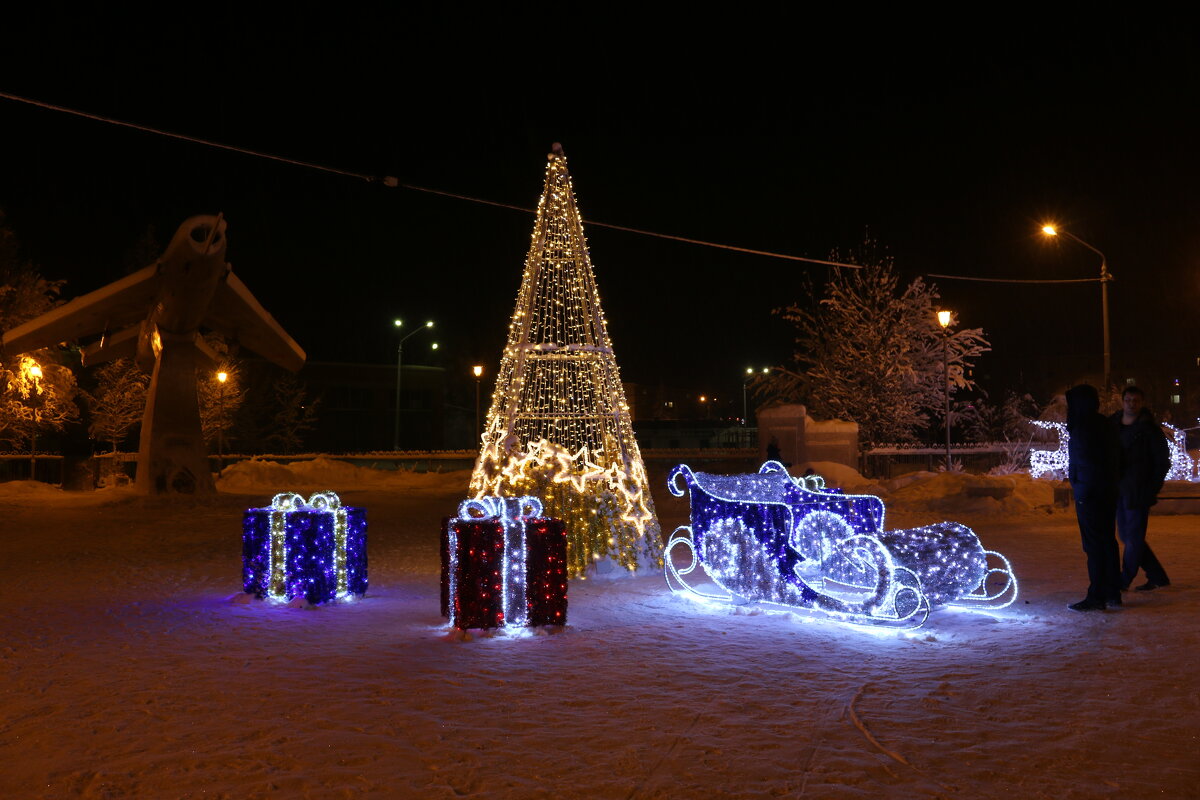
503,565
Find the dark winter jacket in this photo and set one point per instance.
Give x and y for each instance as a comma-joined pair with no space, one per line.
1145,459
1093,447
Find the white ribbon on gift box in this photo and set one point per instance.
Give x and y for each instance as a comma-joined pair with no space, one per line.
281,504
511,513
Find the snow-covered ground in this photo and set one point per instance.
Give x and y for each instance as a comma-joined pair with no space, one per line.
128,669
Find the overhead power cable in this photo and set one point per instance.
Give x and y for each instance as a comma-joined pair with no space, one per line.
1012,280
391,181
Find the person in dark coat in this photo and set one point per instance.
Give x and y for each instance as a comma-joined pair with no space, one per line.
1093,450
1145,461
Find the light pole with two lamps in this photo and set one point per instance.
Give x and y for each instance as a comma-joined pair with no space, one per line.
1105,278
745,382
943,318
399,370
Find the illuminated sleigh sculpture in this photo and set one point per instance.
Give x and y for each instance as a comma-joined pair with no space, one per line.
771,538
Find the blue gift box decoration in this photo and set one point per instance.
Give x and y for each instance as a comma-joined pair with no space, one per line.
315,549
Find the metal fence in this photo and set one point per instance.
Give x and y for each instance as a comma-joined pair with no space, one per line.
24,467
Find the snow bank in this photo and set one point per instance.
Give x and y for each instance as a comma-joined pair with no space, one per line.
962,493
262,476
946,493
835,474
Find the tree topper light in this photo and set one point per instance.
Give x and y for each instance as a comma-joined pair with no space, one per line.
770,538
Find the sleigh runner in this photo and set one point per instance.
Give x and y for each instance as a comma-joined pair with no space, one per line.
771,538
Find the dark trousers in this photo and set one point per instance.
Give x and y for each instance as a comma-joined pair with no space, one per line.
1097,527
1131,525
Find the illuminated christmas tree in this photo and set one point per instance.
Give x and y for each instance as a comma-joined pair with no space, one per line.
558,427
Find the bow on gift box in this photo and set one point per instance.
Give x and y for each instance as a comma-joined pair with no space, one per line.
509,508
281,505
511,513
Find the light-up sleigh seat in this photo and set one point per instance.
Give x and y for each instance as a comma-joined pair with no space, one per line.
771,538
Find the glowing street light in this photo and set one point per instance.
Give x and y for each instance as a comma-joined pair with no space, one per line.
399,369
1105,278
943,318
222,377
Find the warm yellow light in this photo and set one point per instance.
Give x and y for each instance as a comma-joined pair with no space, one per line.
749,370
222,377
397,323
1049,230
435,346
477,370
34,370
944,318
429,324
703,399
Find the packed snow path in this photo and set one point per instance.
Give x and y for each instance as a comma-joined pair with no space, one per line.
127,670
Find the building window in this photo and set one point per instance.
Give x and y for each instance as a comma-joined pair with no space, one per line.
1129,381
1175,399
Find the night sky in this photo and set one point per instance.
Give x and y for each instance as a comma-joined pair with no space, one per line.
773,133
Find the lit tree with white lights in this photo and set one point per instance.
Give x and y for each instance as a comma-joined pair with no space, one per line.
559,426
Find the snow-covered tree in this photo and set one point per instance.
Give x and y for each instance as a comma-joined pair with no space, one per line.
980,421
871,352
118,402
35,398
37,394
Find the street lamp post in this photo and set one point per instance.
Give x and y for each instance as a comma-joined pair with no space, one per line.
944,320
745,383
32,373
222,377
399,370
1105,278
478,370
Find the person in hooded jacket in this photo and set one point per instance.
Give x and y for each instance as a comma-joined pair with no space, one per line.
1093,451
1145,461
